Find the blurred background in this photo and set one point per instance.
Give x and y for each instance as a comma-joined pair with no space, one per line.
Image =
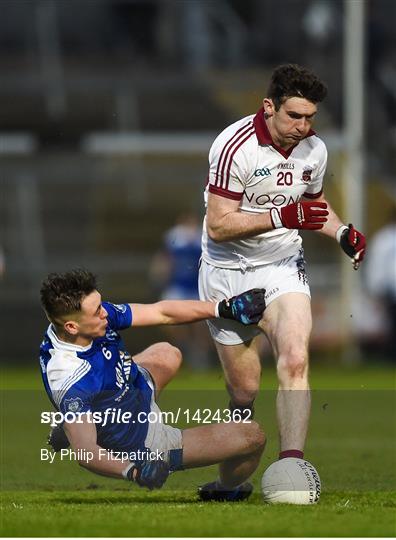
108,109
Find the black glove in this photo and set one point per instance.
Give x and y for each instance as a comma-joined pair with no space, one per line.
246,308
57,438
353,243
150,474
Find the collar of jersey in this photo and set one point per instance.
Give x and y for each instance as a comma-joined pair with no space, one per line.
264,136
59,344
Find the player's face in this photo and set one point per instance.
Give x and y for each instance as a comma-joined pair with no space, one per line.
291,122
92,320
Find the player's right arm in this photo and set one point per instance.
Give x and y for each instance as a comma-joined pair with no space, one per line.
226,185
82,437
225,222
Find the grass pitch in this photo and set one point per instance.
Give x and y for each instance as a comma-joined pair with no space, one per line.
351,443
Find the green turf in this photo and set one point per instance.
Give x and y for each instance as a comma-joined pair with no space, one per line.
165,513
370,377
351,442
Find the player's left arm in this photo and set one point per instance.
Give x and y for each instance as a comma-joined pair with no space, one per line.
350,239
246,308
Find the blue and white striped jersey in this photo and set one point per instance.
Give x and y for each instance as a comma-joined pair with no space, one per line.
99,377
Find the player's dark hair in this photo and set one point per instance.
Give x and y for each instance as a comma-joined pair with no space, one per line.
62,294
292,80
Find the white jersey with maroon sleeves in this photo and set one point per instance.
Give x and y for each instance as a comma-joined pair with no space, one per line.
246,166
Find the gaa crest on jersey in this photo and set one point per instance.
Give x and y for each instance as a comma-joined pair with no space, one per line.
306,175
264,171
74,404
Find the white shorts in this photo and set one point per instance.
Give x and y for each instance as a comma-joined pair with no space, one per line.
160,436
281,277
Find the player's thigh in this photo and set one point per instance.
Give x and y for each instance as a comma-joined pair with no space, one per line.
161,360
241,363
214,443
287,322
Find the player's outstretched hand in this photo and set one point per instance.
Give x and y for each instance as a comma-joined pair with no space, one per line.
309,215
246,308
149,474
353,243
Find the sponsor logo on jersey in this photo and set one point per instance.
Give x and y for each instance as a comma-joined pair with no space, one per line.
123,369
264,171
306,175
260,199
289,166
42,364
123,394
74,404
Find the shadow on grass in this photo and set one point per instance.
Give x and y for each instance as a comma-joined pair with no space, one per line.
143,499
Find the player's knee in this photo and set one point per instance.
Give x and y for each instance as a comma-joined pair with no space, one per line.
244,394
293,365
254,436
171,355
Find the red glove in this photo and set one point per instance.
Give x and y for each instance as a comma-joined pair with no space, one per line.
353,243
301,215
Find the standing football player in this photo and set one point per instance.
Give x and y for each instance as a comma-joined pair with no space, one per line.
86,370
265,183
